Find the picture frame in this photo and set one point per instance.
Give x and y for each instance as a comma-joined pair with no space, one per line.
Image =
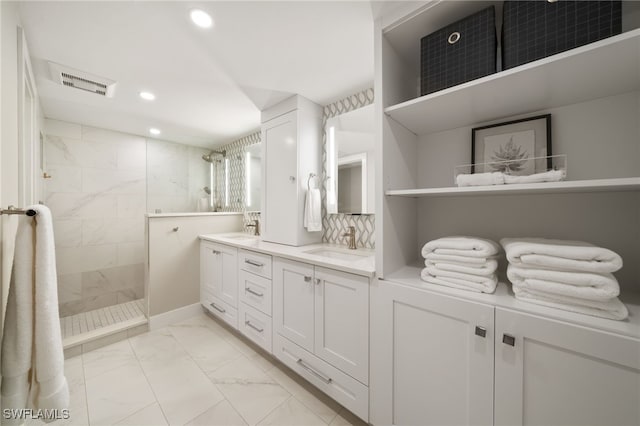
510,144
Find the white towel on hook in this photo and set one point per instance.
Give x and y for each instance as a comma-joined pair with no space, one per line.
461,246
313,210
610,309
32,355
560,255
583,285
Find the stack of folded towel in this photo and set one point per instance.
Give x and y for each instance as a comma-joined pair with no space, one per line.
461,262
568,275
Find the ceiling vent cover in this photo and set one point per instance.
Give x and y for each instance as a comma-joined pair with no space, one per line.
81,80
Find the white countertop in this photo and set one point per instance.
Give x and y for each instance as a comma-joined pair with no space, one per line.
157,215
366,266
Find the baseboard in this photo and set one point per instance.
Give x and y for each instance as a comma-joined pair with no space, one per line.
167,318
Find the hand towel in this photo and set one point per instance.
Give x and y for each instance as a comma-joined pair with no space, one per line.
610,309
562,255
550,176
480,179
33,359
312,211
485,285
583,285
486,269
461,246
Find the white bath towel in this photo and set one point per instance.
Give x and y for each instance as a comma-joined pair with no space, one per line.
584,285
312,211
32,355
461,246
611,309
480,179
485,269
562,255
483,285
550,176
477,262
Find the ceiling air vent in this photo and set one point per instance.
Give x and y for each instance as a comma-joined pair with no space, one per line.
82,80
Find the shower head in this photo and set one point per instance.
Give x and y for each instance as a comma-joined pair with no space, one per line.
209,157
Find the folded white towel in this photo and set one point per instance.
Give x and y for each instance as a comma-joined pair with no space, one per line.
611,309
485,269
312,211
478,262
32,355
562,255
480,179
583,285
461,246
482,285
550,176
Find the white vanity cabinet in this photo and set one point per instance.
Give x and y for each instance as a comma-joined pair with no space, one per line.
321,329
219,281
292,150
443,360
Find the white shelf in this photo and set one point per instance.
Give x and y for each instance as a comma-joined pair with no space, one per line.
604,68
595,185
504,298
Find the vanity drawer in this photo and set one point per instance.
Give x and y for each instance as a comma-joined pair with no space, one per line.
343,388
256,326
257,263
222,310
255,291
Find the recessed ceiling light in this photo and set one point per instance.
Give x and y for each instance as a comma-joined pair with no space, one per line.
147,96
154,131
201,18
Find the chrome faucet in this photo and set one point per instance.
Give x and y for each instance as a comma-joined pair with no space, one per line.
352,237
256,225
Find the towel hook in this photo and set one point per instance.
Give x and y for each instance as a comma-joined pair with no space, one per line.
311,176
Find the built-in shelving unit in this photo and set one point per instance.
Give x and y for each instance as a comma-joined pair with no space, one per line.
570,77
594,185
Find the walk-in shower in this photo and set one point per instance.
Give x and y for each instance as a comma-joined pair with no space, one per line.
217,168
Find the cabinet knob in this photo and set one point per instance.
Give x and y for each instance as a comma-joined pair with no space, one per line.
318,281
176,229
292,179
481,331
215,252
508,339
307,279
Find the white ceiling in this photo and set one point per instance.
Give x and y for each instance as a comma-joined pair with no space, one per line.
210,84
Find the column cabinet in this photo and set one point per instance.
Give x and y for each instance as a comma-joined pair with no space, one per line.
321,329
219,281
292,150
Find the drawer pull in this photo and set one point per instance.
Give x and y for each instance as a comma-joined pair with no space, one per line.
322,377
255,293
258,329
215,252
254,263
507,339
307,279
481,331
218,308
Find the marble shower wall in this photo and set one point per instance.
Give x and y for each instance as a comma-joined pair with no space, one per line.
97,197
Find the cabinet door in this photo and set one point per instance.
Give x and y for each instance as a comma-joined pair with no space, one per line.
431,365
554,373
281,180
342,321
293,305
209,271
227,286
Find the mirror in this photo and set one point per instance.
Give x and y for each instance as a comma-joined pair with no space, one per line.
351,162
253,177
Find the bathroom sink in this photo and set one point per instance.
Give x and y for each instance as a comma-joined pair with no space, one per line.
338,254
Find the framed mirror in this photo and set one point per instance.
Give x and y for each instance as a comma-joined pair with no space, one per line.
351,162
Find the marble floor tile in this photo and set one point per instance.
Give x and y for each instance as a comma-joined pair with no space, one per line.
292,413
240,371
254,400
157,349
182,390
323,406
108,358
347,418
221,414
117,394
148,416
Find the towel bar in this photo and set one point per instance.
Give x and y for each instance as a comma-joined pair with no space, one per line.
13,210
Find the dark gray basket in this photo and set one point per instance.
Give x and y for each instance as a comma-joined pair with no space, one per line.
448,59
536,29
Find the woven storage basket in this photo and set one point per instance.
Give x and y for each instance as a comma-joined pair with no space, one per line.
459,52
536,29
